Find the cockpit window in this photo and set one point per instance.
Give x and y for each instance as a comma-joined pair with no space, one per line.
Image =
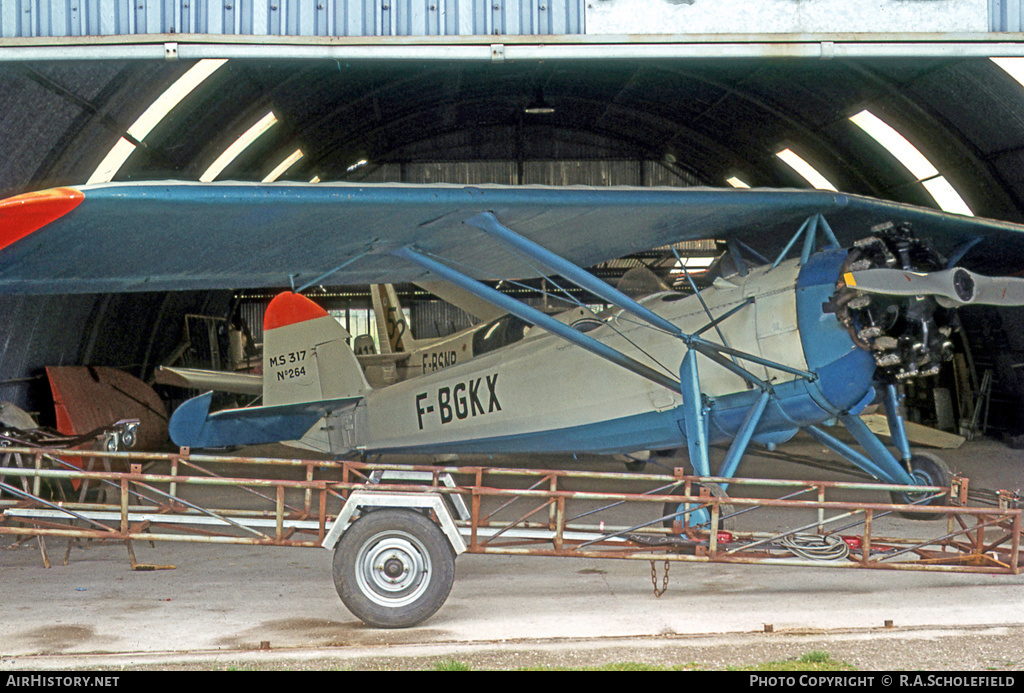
505,330
586,324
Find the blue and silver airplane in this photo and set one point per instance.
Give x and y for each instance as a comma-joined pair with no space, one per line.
857,301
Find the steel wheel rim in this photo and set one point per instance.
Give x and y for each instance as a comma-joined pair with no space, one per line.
392,569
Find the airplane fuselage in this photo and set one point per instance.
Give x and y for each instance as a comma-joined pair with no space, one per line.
546,395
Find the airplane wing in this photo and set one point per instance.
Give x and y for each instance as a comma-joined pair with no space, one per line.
151,236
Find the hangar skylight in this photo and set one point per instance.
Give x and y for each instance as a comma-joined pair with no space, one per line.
152,116
283,167
805,170
736,182
919,166
238,146
693,265
1013,67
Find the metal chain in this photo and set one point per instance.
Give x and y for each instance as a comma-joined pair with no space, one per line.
664,580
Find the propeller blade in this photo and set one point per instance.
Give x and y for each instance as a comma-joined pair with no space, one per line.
999,291
953,287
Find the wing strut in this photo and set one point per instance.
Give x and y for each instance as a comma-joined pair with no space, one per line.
811,226
488,223
535,317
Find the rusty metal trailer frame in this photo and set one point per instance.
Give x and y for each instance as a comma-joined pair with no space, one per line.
153,506
396,529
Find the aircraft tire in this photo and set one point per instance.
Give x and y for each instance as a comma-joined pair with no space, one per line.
928,470
393,568
636,466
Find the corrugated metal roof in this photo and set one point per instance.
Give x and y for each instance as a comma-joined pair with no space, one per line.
64,18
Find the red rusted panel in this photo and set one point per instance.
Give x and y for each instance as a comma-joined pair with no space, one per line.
86,398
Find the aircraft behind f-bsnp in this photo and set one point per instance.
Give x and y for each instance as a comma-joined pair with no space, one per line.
770,350
403,356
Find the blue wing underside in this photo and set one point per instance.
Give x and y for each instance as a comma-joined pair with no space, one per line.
187,236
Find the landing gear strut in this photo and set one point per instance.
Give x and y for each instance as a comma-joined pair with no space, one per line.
697,514
927,470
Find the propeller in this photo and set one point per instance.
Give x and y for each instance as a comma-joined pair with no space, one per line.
952,288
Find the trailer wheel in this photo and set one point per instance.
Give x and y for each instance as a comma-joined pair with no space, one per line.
928,470
393,568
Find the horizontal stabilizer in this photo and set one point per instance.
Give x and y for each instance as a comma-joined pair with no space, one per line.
220,381
192,425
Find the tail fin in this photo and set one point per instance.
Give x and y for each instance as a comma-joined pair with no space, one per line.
308,373
392,328
305,355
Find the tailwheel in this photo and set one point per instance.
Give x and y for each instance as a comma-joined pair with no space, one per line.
927,470
701,515
393,568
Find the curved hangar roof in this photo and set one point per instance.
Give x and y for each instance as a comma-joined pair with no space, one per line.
427,116
958,124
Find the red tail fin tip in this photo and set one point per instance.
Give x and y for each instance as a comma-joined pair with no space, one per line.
288,309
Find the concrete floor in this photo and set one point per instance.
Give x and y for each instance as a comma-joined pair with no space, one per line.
224,601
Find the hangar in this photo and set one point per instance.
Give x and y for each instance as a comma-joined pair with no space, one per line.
883,104
905,101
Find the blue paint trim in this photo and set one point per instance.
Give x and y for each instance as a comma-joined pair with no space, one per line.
649,431
822,268
845,371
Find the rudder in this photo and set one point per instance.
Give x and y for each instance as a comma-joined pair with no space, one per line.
305,354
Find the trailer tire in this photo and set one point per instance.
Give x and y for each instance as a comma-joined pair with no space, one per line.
929,470
393,568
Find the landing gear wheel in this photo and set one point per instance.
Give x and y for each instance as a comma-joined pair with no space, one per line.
701,515
636,466
393,568
927,470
